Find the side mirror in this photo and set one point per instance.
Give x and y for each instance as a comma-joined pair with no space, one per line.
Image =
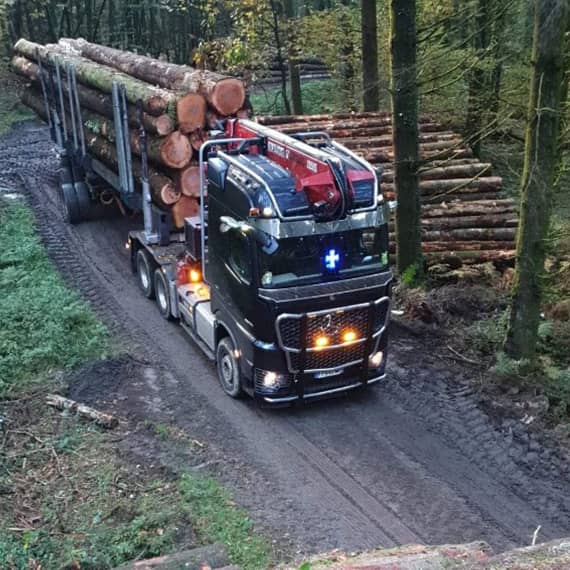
228,223
269,244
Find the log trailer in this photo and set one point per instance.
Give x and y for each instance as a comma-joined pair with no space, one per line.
283,279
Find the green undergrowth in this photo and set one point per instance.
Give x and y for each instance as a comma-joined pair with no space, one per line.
68,496
318,97
217,518
45,326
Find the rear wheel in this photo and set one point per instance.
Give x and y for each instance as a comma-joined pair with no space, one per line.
71,211
228,368
162,294
145,274
83,200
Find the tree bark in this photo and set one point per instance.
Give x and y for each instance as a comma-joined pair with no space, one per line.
292,60
551,18
163,189
405,133
156,101
100,418
477,99
225,94
370,78
99,102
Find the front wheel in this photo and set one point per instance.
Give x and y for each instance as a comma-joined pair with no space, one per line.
228,368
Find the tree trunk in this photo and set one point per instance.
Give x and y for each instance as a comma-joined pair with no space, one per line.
346,63
538,176
99,102
477,99
293,64
163,190
156,101
225,94
405,127
370,79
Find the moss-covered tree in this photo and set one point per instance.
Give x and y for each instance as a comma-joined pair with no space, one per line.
370,86
541,156
405,132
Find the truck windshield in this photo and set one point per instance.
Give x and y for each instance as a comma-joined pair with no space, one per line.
310,259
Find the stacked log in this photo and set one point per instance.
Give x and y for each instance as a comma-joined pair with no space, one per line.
466,217
180,104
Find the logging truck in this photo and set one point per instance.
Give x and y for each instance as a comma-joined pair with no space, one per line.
282,277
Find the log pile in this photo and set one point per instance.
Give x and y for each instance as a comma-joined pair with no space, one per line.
466,217
180,104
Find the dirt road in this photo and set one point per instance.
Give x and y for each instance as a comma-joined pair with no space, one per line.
412,460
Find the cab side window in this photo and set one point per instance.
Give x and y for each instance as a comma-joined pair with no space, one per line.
239,256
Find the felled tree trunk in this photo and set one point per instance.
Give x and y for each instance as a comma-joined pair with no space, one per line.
186,207
156,101
191,112
163,189
97,101
188,180
225,94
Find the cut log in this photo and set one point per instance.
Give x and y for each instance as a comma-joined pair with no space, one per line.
156,101
202,558
104,420
174,150
163,190
453,170
483,184
482,207
188,180
486,221
475,234
185,208
99,102
191,112
457,258
225,94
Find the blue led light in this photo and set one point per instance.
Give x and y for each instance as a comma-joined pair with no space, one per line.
332,259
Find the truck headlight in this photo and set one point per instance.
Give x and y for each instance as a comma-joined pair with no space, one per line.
376,359
270,381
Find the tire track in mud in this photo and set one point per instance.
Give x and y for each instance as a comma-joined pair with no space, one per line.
414,461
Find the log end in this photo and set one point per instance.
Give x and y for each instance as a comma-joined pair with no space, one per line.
176,150
164,125
228,96
191,112
189,181
185,208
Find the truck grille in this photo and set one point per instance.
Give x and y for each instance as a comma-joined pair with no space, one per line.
332,323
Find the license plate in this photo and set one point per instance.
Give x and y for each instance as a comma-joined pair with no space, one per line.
328,373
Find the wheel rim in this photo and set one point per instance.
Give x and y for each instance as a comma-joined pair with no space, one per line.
161,296
227,370
144,277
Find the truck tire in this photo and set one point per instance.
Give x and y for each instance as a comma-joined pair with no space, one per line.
145,274
83,200
229,372
71,210
162,294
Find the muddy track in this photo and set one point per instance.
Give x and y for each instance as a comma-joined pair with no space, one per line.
414,460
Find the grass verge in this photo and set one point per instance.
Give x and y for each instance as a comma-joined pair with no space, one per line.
68,497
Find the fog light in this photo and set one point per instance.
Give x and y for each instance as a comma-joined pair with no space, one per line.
375,361
270,380
322,341
349,336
